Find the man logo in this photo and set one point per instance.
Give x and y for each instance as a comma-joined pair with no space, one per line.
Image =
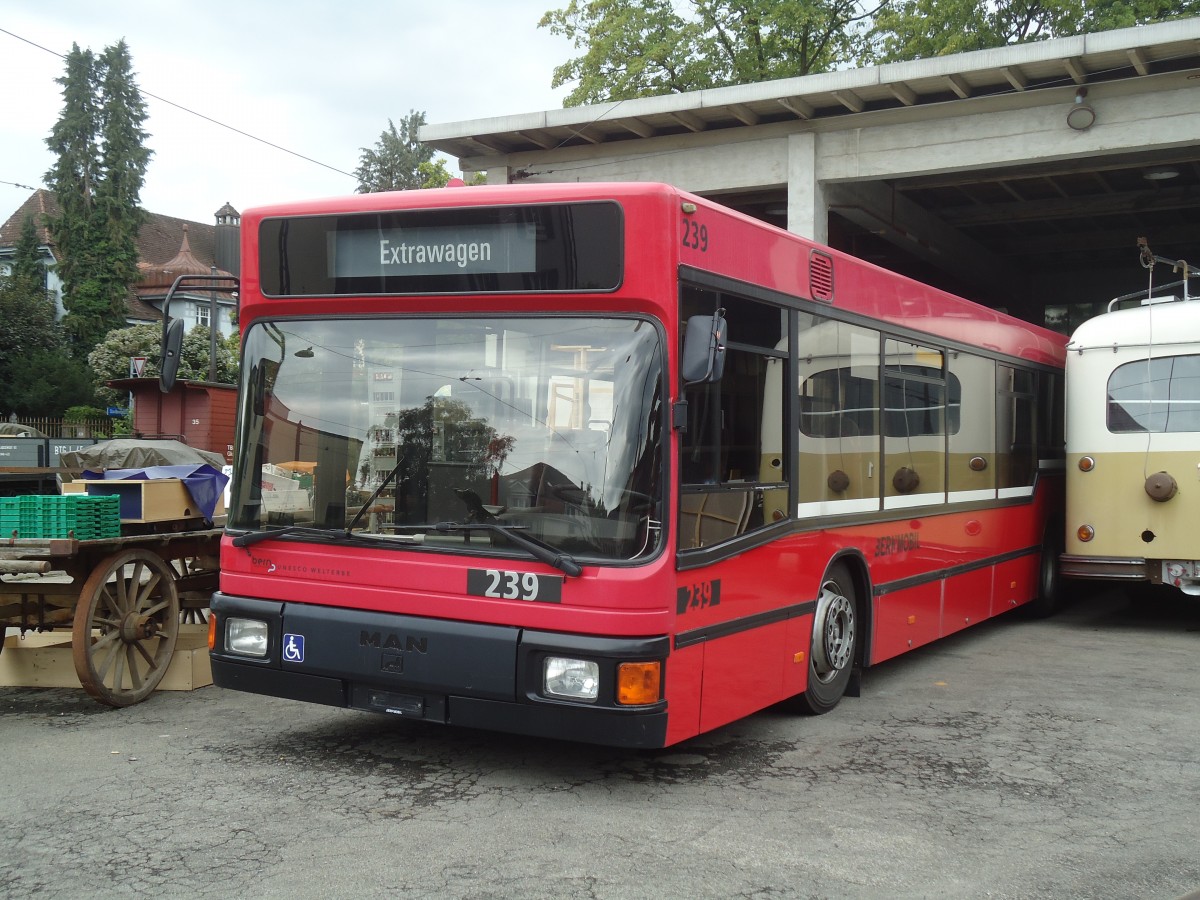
393,642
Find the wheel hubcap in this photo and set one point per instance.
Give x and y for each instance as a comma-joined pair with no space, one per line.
833,641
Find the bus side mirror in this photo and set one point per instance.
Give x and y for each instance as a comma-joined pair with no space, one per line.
172,344
704,349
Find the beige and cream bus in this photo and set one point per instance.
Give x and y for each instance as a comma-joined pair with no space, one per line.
1133,444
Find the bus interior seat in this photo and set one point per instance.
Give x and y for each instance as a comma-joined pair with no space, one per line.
709,517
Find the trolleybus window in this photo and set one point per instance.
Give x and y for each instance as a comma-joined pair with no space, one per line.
1156,395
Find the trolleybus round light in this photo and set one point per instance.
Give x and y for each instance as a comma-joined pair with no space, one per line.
978,464
1085,533
838,481
1161,487
905,480
1086,464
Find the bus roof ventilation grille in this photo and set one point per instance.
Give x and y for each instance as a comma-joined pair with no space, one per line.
820,276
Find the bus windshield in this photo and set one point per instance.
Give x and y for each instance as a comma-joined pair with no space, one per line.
456,432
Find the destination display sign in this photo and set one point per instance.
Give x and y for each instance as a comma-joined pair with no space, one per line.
553,247
444,250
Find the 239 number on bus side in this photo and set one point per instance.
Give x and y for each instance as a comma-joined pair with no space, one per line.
695,235
502,584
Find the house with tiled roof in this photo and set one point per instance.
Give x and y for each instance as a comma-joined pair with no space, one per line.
167,247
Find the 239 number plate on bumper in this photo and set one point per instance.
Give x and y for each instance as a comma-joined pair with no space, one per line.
500,584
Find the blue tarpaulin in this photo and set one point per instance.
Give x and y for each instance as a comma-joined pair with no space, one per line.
203,482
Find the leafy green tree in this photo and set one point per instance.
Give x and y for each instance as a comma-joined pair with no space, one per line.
434,174
97,178
396,162
109,361
641,48
919,29
637,48
36,378
49,382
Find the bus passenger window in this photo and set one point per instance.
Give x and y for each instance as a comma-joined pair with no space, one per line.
915,425
724,464
839,417
972,450
1015,412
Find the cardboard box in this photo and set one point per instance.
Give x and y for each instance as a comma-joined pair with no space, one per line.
44,660
152,500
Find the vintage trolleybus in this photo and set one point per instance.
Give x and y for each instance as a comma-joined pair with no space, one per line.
1133,439
611,463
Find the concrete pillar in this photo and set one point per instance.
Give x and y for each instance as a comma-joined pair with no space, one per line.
808,214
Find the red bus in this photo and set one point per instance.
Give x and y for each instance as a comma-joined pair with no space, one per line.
612,463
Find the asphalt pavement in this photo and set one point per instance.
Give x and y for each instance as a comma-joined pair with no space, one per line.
1019,759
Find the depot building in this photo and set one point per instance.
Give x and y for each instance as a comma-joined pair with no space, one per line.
1020,177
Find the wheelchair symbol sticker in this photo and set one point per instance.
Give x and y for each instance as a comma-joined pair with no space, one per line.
293,647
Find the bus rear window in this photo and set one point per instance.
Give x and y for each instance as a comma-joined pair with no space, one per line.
1155,395
526,249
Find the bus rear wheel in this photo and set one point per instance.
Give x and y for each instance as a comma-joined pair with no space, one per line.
834,643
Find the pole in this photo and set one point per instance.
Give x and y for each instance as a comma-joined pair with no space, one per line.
212,332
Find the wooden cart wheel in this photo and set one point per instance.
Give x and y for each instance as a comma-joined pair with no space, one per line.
125,627
190,571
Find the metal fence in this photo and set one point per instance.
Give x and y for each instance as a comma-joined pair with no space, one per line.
72,428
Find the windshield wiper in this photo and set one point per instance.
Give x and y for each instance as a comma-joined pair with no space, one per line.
362,510
253,537
537,549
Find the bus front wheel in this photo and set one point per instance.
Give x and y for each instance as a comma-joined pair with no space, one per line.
834,643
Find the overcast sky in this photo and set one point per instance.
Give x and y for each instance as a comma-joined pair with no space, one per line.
318,79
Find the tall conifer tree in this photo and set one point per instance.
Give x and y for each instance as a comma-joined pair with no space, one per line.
97,179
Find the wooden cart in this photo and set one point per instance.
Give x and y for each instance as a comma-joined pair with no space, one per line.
124,599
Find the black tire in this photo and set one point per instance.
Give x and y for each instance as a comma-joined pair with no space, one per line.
834,650
1051,585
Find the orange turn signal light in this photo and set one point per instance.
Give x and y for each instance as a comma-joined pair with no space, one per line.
1086,464
1085,533
639,683
212,631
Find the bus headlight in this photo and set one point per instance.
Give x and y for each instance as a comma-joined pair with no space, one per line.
574,679
246,637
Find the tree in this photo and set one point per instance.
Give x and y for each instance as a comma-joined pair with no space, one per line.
49,383
123,161
36,377
395,163
97,179
636,48
109,361
641,48
919,29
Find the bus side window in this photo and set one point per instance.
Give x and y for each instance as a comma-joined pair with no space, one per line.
839,415
1015,412
972,460
722,447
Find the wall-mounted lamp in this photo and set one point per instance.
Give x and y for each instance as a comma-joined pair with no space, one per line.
1081,117
1160,173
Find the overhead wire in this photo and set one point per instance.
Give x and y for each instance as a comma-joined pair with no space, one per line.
192,112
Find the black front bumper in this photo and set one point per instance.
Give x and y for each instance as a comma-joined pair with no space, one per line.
453,673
